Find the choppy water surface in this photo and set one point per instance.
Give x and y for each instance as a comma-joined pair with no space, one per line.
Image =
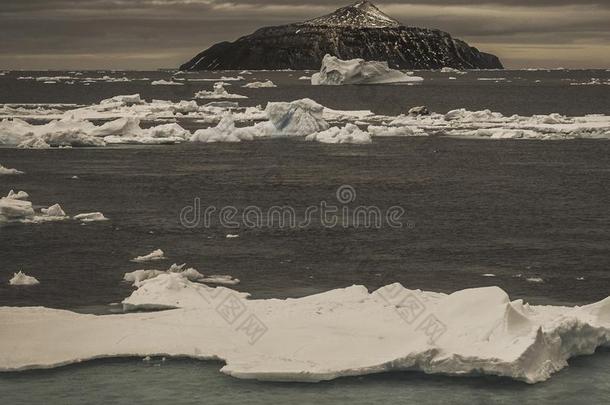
516,209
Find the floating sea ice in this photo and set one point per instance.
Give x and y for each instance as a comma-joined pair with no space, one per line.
335,71
348,134
90,217
259,85
138,276
337,333
218,92
163,82
225,131
128,100
489,275
21,278
54,211
154,255
20,195
13,210
231,236
7,171
220,279
305,78
535,280
392,131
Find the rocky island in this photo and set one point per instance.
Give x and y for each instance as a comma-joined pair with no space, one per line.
359,30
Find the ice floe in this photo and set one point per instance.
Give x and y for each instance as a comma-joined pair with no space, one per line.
335,71
342,332
19,195
152,256
90,217
166,83
6,171
259,85
218,92
21,278
348,134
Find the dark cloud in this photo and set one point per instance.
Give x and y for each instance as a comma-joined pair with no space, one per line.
154,33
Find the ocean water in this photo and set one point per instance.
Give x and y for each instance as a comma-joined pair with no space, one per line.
516,209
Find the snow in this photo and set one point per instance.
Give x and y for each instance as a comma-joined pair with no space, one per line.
218,92
335,71
361,14
348,134
452,70
152,256
7,171
343,332
90,217
21,278
259,85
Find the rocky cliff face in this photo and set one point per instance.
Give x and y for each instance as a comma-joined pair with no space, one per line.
360,30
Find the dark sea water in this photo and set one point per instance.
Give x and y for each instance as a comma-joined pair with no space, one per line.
517,209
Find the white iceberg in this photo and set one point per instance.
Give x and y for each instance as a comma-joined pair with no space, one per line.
225,131
335,71
152,256
348,134
14,210
343,332
259,85
20,195
54,211
7,171
21,278
90,217
218,92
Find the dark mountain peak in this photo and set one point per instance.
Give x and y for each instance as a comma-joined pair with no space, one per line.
362,14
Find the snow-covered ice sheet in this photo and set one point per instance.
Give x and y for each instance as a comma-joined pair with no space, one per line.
343,332
335,71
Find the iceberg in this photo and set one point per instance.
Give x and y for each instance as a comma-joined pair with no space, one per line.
6,171
163,82
343,332
138,276
348,134
20,195
218,92
335,71
54,211
259,85
14,210
152,256
90,217
21,278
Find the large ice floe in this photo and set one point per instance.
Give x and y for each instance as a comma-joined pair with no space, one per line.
14,208
343,332
335,71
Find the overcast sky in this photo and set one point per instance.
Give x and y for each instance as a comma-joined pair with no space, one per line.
149,34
